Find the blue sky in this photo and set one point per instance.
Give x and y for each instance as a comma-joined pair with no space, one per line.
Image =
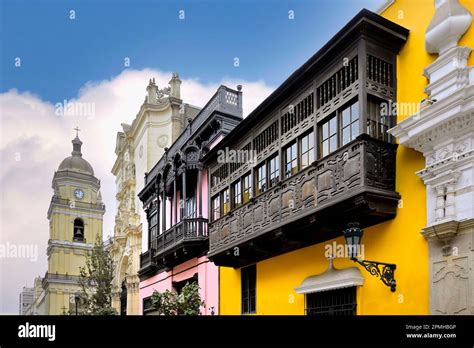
60,55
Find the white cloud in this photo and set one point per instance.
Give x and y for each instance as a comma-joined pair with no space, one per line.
34,140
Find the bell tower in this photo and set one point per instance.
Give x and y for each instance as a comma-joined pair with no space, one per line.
75,221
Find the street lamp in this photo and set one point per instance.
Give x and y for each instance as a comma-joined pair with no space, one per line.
385,271
77,297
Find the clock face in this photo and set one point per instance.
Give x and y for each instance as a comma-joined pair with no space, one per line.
78,193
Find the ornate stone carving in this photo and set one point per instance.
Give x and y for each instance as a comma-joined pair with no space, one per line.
443,131
451,286
450,22
162,140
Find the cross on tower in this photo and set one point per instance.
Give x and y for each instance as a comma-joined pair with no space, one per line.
77,131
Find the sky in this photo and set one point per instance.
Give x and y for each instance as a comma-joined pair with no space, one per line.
104,53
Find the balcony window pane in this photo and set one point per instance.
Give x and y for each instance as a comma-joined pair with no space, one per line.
325,148
274,167
350,122
355,130
328,132
237,194
346,117
307,150
304,145
333,126
333,143
377,124
225,201
216,207
291,160
261,178
355,111
246,188
346,135
325,129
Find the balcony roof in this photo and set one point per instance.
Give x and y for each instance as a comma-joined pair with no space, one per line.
366,23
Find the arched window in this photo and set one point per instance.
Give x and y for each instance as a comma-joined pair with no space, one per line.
78,235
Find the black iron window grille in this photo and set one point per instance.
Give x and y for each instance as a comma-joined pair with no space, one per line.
340,302
249,282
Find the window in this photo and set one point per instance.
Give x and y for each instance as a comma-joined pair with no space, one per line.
246,188
274,169
225,201
340,129
237,194
307,150
153,228
377,122
249,282
332,302
216,207
291,160
328,136
190,207
147,306
178,286
78,230
350,123
261,179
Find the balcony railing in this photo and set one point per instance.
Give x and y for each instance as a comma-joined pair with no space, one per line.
187,239
56,277
186,230
357,180
146,259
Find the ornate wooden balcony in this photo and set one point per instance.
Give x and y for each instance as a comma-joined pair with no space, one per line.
147,262
185,240
356,182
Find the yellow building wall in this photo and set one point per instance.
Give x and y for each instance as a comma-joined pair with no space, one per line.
63,262
396,241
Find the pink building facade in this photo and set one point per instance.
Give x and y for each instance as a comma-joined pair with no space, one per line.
175,198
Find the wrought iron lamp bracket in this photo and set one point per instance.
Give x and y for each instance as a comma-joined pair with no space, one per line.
382,270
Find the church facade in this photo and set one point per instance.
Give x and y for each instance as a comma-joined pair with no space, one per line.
75,223
139,145
443,131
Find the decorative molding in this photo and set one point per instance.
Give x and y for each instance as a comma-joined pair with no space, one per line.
449,23
331,279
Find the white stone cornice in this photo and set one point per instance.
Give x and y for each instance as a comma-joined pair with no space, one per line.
443,231
448,73
456,57
63,244
450,117
455,160
440,177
